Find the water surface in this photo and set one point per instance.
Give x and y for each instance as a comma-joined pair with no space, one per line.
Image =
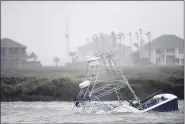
59,112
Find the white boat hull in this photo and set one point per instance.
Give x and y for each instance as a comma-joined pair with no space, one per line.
169,104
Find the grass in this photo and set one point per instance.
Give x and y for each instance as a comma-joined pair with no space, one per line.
14,88
48,84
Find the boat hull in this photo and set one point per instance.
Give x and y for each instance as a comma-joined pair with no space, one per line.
162,103
168,106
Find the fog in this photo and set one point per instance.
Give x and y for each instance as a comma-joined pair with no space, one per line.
41,26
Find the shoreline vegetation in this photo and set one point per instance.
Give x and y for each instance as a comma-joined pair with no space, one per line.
61,84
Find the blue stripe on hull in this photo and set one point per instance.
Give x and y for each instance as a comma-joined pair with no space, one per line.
169,106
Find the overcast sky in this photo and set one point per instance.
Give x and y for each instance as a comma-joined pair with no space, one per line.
41,26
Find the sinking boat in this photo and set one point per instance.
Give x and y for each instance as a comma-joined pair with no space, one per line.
103,77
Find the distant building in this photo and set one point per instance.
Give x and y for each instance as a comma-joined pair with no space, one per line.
165,50
122,52
13,54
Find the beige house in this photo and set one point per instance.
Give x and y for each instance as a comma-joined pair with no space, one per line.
122,52
13,54
165,50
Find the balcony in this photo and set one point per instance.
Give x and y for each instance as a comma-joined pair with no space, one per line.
170,53
14,56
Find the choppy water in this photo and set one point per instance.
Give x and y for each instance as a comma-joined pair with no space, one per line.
59,112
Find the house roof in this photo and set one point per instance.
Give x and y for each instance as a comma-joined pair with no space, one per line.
108,43
166,41
9,43
89,45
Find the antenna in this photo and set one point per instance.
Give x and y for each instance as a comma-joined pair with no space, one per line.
67,37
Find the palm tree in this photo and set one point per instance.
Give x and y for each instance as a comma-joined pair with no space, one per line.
56,60
34,56
114,39
96,41
137,35
149,39
101,35
120,35
123,39
137,38
140,30
130,34
141,45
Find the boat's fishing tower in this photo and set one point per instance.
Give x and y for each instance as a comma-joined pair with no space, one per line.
103,77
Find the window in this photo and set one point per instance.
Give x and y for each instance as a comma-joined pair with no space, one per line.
170,50
181,51
158,51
